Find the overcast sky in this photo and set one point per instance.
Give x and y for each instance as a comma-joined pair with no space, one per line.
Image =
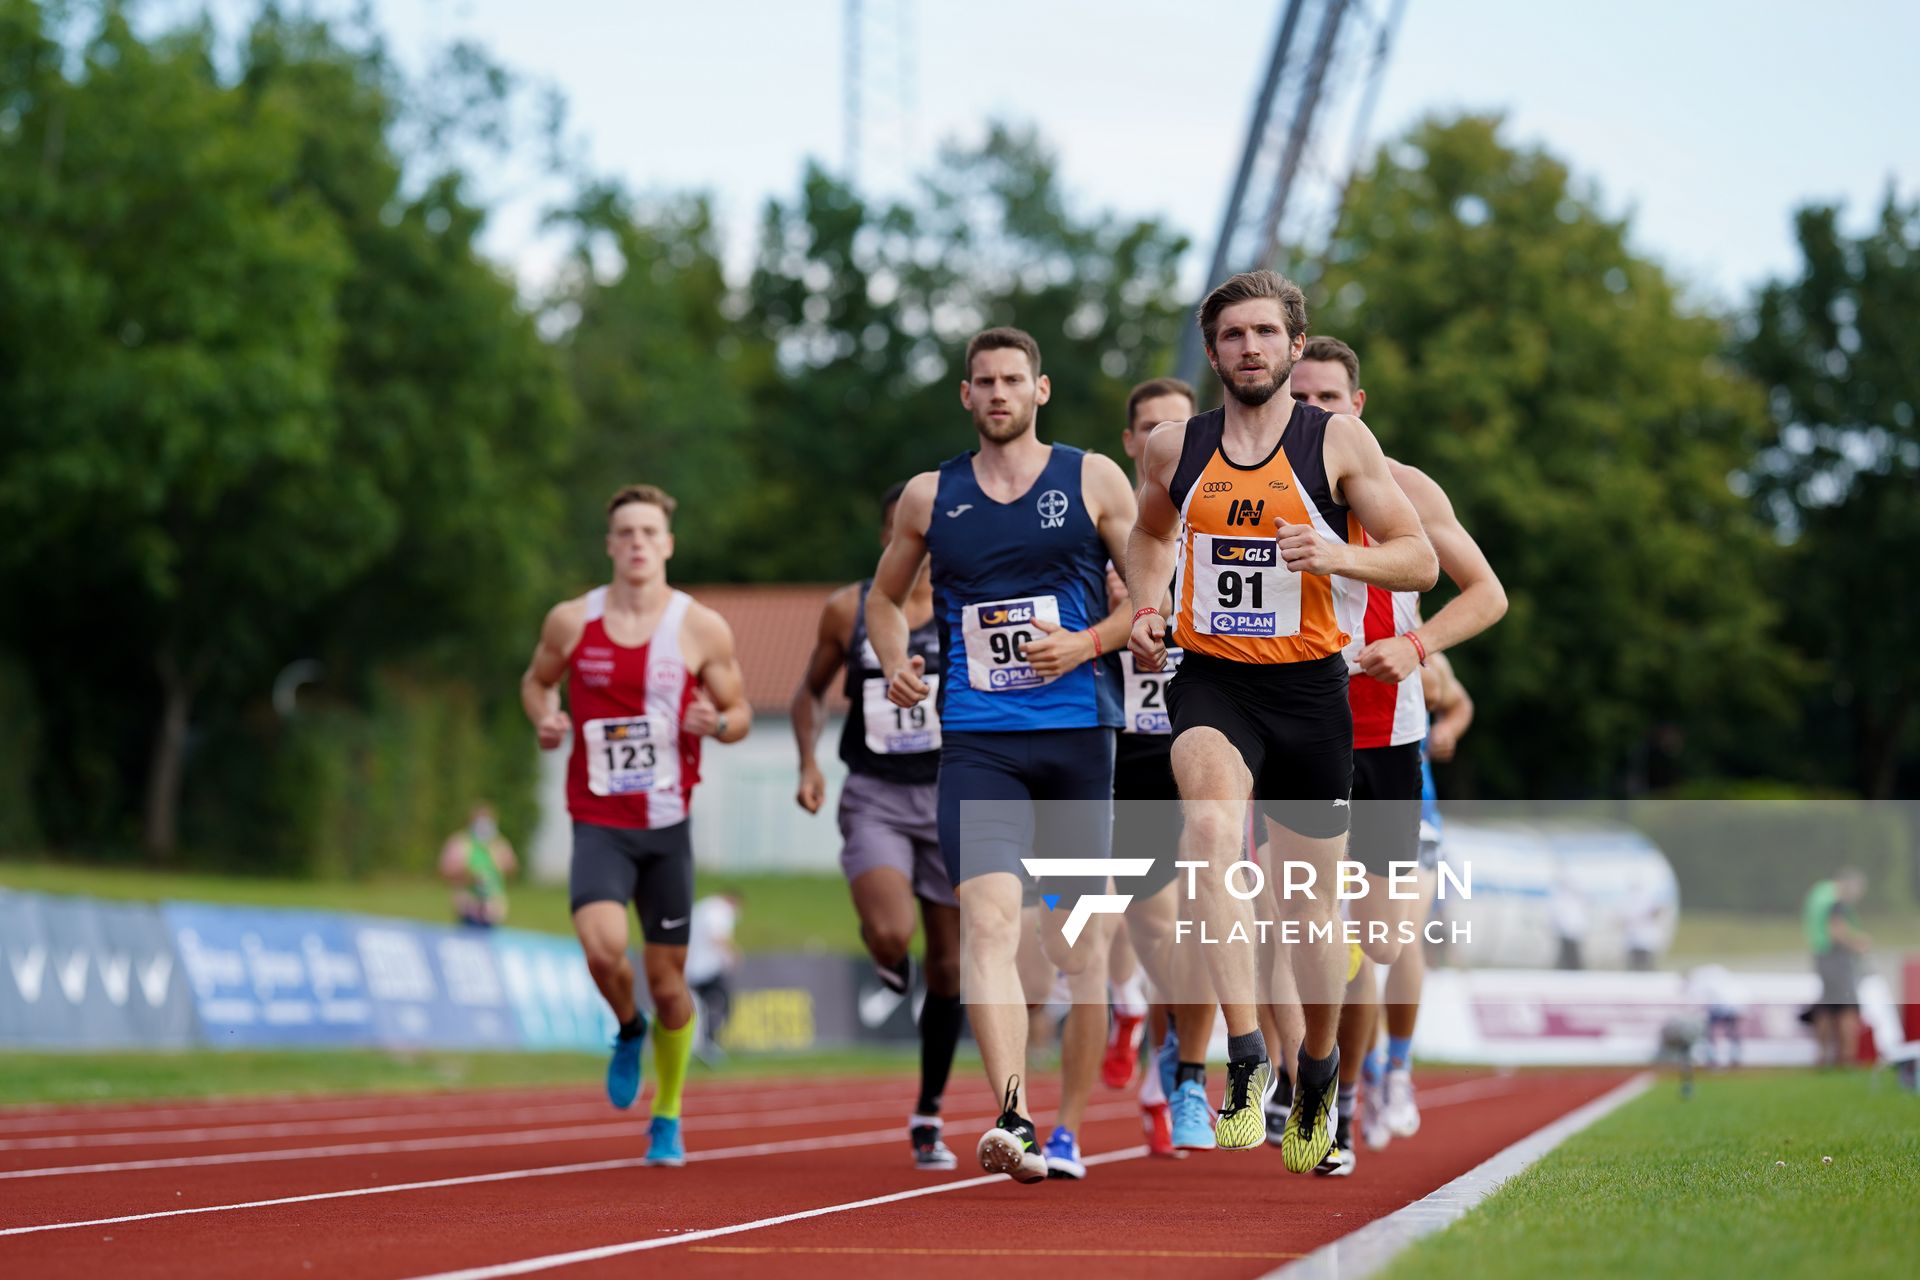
1707,120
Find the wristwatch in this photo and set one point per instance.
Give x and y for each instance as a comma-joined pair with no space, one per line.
720,725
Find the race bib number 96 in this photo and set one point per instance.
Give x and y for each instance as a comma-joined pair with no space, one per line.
630,755
996,637
1241,589
1147,694
899,731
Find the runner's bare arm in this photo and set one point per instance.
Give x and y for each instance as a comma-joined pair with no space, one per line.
809,706
1482,600
1110,502
1402,559
1452,712
727,715
892,581
540,685
1152,544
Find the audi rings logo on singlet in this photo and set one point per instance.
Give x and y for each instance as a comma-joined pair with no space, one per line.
1087,905
1217,486
1053,509
1008,615
1242,551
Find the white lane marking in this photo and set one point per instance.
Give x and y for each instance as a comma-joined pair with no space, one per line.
32,1119
377,1123
550,1261
1107,1112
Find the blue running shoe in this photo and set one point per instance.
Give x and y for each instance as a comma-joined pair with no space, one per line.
664,1146
1192,1118
623,1071
1168,1060
1063,1155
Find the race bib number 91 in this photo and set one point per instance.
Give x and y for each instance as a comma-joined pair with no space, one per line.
899,731
1147,694
996,635
1241,589
630,755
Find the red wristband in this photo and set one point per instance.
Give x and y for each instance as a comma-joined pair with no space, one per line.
1141,613
1418,648
1097,650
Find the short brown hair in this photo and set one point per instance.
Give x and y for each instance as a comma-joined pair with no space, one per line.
1152,389
651,494
1248,286
1005,338
1334,351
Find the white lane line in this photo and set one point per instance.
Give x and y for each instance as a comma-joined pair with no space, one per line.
589,1132
445,1119
1370,1249
1107,1112
424,1103
550,1261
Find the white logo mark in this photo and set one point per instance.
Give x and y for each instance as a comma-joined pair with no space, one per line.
1053,509
962,509
673,924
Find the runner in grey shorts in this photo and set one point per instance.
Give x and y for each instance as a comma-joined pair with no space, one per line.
891,851
894,824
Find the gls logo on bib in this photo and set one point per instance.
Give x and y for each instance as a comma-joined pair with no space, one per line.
1011,615
1242,551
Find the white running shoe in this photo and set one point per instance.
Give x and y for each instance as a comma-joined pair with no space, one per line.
1402,1114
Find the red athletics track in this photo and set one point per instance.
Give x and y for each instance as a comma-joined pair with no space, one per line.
529,1174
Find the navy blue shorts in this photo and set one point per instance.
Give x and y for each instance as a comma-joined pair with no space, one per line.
1012,771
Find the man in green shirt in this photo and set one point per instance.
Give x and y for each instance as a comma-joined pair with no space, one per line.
1837,942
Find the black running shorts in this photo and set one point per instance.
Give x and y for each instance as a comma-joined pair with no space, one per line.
1386,807
1291,724
650,867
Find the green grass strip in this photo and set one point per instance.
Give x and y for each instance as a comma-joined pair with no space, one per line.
1666,1187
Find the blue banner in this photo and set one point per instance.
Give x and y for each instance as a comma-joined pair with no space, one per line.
84,973
435,986
551,993
263,977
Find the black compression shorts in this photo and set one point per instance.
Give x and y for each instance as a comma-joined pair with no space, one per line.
650,867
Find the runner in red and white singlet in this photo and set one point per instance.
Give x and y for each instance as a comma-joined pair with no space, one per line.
648,672
1387,698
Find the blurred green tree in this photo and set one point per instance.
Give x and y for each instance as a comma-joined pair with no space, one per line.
262,402
1583,421
1839,348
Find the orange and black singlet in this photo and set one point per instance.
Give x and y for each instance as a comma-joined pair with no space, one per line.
1233,599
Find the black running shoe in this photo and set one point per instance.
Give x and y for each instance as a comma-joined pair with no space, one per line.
1011,1146
930,1154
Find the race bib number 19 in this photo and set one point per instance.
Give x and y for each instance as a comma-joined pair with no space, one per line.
630,755
898,731
1241,589
1147,694
996,636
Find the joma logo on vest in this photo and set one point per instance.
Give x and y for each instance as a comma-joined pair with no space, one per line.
1245,511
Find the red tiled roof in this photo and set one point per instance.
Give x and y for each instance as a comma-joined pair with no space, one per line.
773,631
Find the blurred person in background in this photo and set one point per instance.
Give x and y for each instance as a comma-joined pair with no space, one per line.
1714,989
476,860
1645,915
1837,942
1567,909
712,958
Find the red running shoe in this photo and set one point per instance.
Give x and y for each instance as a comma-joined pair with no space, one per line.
1158,1124
1123,1050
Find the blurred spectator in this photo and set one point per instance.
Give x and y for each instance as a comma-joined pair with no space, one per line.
711,959
1837,942
1714,990
1568,911
476,861
1645,914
